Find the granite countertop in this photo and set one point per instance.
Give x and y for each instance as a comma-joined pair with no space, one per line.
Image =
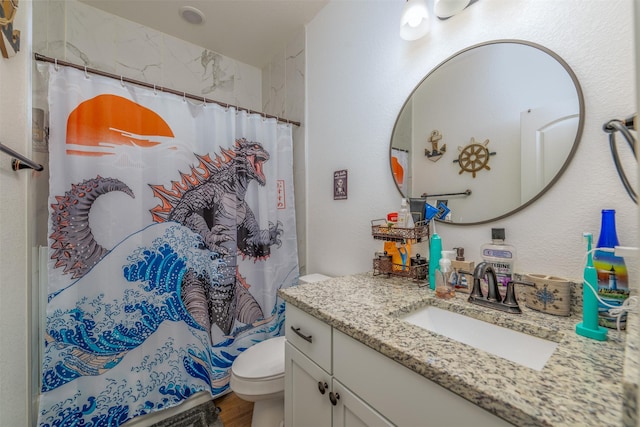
583,383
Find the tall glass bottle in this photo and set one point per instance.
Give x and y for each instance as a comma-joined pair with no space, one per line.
613,279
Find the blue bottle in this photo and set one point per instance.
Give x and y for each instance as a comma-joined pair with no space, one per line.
613,279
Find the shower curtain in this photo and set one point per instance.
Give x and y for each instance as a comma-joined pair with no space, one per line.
171,228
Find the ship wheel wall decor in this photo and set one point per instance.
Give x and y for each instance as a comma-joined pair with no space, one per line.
474,157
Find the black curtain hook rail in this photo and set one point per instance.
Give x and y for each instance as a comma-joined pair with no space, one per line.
184,95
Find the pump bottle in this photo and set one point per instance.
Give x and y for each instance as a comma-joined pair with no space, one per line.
405,220
444,288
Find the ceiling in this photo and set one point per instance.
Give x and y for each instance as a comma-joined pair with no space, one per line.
250,31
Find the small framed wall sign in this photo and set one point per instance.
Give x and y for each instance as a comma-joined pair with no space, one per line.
340,185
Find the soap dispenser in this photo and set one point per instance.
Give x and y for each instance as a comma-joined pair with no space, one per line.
444,288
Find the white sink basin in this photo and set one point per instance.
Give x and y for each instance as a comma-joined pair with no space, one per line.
527,350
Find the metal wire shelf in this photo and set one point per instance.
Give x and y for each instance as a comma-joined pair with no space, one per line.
381,230
418,273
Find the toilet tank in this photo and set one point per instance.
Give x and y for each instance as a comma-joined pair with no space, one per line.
312,278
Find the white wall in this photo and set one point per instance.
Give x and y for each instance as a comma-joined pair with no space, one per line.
359,72
15,214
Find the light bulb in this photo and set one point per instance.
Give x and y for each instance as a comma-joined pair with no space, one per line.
414,22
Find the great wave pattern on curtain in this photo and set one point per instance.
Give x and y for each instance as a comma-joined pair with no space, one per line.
171,229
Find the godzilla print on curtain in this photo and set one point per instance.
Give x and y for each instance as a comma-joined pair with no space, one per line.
171,228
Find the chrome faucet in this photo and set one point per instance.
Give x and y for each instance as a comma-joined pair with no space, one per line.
494,299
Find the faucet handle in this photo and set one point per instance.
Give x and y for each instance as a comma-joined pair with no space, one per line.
476,290
510,297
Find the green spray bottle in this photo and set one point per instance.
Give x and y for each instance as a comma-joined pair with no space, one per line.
589,326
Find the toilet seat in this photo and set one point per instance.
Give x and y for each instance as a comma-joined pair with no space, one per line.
262,361
259,370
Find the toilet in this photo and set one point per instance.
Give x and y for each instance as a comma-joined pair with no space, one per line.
257,375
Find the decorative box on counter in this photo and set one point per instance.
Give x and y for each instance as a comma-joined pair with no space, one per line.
548,294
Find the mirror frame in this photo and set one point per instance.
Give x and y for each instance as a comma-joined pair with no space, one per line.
570,156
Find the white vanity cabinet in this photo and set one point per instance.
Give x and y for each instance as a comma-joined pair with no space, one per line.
372,389
313,396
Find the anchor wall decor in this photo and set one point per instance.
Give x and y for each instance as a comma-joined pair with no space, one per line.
435,154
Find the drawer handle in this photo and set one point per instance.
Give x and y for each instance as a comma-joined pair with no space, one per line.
334,397
322,387
301,335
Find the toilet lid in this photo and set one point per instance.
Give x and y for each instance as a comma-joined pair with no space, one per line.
262,361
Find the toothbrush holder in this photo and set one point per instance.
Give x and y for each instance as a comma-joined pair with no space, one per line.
549,294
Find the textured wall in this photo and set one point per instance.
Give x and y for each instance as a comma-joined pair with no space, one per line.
359,72
15,268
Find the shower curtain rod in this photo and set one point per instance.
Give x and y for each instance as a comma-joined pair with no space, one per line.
39,57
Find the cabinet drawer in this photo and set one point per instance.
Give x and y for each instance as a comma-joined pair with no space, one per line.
309,335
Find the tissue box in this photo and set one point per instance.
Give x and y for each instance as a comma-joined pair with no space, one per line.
463,282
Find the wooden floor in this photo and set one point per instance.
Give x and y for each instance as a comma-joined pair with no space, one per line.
235,412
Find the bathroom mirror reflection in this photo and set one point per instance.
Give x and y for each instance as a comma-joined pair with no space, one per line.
498,122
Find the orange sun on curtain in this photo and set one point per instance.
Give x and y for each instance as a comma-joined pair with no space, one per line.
398,170
109,120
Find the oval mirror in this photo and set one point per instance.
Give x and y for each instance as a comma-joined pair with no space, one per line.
488,131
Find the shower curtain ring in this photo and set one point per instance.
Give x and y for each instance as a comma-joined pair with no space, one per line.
86,74
121,81
154,90
184,96
55,64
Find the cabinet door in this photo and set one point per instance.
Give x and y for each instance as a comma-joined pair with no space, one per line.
402,396
307,388
351,411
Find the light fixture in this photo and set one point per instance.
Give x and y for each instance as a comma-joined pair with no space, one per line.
414,21
192,15
447,8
